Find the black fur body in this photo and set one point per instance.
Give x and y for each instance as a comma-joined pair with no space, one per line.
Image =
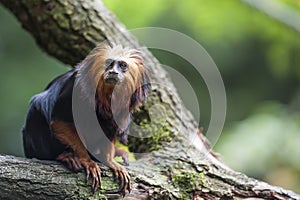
55,102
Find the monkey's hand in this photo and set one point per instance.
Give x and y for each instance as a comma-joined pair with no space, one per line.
121,173
92,169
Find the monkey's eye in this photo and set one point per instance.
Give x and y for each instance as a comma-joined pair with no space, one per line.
108,62
123,65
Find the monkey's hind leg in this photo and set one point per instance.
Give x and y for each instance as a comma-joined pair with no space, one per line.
67,135
124,155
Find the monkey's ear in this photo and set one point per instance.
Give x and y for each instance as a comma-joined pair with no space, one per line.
141,93
146,83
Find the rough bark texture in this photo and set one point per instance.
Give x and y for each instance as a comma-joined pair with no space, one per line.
175,168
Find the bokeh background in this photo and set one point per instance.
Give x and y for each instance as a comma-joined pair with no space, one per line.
257,55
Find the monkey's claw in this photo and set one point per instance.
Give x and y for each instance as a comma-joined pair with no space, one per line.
124,177
70,160
125,182
92,169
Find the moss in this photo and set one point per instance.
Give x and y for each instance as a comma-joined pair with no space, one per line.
149,137
187,181
150,131
108,185
202,179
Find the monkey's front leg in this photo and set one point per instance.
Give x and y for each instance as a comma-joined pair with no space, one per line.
78,157
118,170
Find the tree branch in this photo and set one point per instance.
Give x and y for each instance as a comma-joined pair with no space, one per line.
22,178
68,30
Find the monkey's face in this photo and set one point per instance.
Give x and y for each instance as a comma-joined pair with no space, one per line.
114,71
118,74
123,69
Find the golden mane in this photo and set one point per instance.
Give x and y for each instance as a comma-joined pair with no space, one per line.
130,94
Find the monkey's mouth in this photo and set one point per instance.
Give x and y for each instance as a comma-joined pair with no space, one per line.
111,80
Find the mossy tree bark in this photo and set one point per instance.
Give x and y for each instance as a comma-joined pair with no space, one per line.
68,30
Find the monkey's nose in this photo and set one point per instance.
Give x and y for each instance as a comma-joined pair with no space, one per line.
112,72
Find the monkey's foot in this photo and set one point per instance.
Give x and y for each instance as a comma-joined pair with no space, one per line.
121,173
124,155
71,160
92,168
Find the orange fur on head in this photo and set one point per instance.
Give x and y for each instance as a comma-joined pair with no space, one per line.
130,92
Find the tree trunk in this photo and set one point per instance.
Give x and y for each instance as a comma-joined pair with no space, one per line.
181,169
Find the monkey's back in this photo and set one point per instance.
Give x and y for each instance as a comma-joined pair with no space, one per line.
38,140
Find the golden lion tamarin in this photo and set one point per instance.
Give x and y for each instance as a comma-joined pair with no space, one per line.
117,74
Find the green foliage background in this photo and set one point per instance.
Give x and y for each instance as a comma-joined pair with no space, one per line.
258,57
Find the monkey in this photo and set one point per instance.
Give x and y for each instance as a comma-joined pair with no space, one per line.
110,73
